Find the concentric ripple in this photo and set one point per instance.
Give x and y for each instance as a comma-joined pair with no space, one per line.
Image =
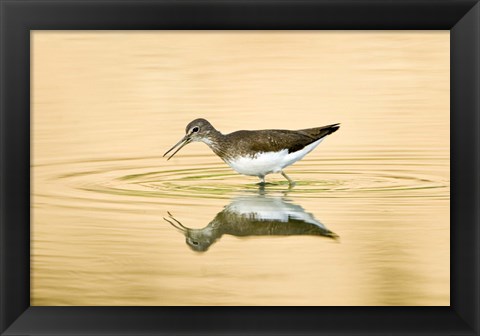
151,178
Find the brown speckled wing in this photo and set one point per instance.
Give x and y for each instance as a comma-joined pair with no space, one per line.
251,142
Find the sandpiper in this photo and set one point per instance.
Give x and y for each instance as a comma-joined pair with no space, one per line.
256,153
254,215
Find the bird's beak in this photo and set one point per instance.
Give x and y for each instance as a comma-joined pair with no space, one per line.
176,224
186,140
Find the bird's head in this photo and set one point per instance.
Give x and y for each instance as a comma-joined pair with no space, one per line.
197,130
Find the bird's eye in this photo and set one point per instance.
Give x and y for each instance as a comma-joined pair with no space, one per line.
195,129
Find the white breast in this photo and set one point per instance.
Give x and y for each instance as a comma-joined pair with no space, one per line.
269,162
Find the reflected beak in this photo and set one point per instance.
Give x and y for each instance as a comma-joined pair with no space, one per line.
176,224
186,140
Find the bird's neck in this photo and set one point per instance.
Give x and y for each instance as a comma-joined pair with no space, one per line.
216,141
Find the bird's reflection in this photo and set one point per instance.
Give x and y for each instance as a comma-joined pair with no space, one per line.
254,215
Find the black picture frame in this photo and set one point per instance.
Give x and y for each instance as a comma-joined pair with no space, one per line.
19,17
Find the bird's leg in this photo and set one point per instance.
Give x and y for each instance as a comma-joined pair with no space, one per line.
290,181
261,188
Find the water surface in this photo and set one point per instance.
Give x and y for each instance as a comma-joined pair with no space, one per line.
114,223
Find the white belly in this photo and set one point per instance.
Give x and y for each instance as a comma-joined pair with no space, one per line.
269,162
271,209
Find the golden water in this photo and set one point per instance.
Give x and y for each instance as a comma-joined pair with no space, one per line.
107,105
